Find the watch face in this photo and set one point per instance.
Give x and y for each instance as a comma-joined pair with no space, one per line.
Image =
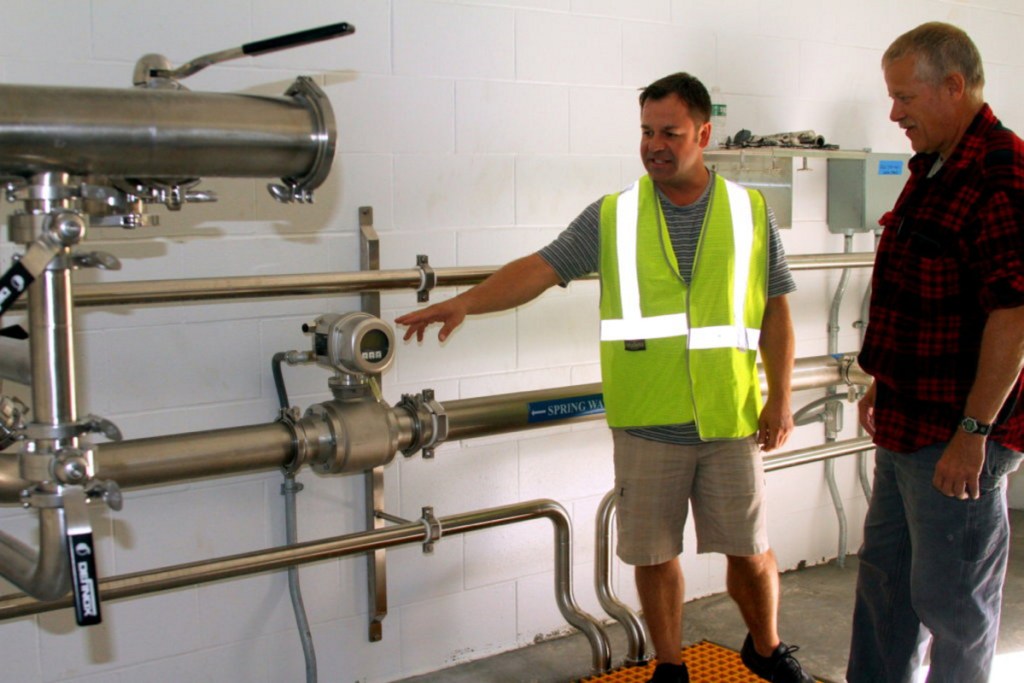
972,426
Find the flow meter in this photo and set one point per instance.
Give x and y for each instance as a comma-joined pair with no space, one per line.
356,344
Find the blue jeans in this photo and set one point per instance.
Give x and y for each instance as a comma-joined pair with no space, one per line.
930,565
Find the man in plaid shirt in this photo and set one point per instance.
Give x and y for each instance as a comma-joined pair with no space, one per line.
945,345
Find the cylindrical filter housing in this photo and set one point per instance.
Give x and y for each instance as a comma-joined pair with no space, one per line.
167,135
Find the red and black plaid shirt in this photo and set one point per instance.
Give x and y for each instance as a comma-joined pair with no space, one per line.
952,251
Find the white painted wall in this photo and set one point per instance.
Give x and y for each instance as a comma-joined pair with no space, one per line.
476,130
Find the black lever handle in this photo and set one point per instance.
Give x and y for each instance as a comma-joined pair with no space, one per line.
84,581
13,284
312,35
82,557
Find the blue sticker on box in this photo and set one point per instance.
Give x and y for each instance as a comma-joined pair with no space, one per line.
565,408
890,167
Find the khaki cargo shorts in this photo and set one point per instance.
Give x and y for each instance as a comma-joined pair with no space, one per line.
654,482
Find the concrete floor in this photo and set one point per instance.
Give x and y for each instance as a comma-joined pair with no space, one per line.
815,613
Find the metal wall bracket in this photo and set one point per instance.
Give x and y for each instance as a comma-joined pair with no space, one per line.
428,278
376,568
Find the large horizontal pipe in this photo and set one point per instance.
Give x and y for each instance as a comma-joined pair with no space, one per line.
473,417
218,452
178,457
321,284
169,134
142,583
238,450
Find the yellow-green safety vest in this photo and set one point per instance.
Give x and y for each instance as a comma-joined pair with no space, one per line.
672,353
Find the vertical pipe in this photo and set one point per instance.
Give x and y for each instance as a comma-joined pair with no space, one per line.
862,457
831,409
51,346
289,489
376,561
636,637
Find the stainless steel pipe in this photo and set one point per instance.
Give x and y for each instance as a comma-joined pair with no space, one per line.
237,450
816,453
194,573
472,417
218,452
41,571
51,344
819,261
163,134
321,284
636,636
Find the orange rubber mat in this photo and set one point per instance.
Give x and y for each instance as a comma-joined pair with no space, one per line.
706,661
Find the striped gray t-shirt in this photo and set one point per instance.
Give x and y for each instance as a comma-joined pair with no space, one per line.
576,253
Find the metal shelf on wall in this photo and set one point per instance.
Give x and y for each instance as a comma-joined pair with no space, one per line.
861,184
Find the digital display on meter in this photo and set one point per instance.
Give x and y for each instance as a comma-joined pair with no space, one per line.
374,346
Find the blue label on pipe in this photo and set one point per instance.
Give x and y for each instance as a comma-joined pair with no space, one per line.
890,167
564,408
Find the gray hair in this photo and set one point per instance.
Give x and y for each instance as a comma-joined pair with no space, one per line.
942,49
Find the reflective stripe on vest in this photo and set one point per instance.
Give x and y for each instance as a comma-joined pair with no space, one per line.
633,325
672,353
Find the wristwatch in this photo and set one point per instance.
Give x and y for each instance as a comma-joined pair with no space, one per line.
972,426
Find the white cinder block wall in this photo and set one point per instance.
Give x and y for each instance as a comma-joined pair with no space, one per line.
476,131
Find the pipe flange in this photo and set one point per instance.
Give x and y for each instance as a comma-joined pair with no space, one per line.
68,430
306,91
430,422
289,417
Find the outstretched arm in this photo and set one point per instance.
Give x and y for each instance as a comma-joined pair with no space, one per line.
511,285
777,352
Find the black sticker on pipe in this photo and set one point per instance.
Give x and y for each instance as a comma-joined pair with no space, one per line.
84,582
12,284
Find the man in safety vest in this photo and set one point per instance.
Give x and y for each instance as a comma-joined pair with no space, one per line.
693,283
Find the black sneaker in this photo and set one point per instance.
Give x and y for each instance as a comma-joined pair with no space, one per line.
670,673
780,667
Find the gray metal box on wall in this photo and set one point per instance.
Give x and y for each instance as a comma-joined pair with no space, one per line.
861,190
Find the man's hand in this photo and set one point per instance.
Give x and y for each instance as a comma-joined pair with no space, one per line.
512,285
451,313
958,471
775,423
866,410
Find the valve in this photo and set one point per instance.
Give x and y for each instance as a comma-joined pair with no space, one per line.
60,229
68,484
24,271
81,553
